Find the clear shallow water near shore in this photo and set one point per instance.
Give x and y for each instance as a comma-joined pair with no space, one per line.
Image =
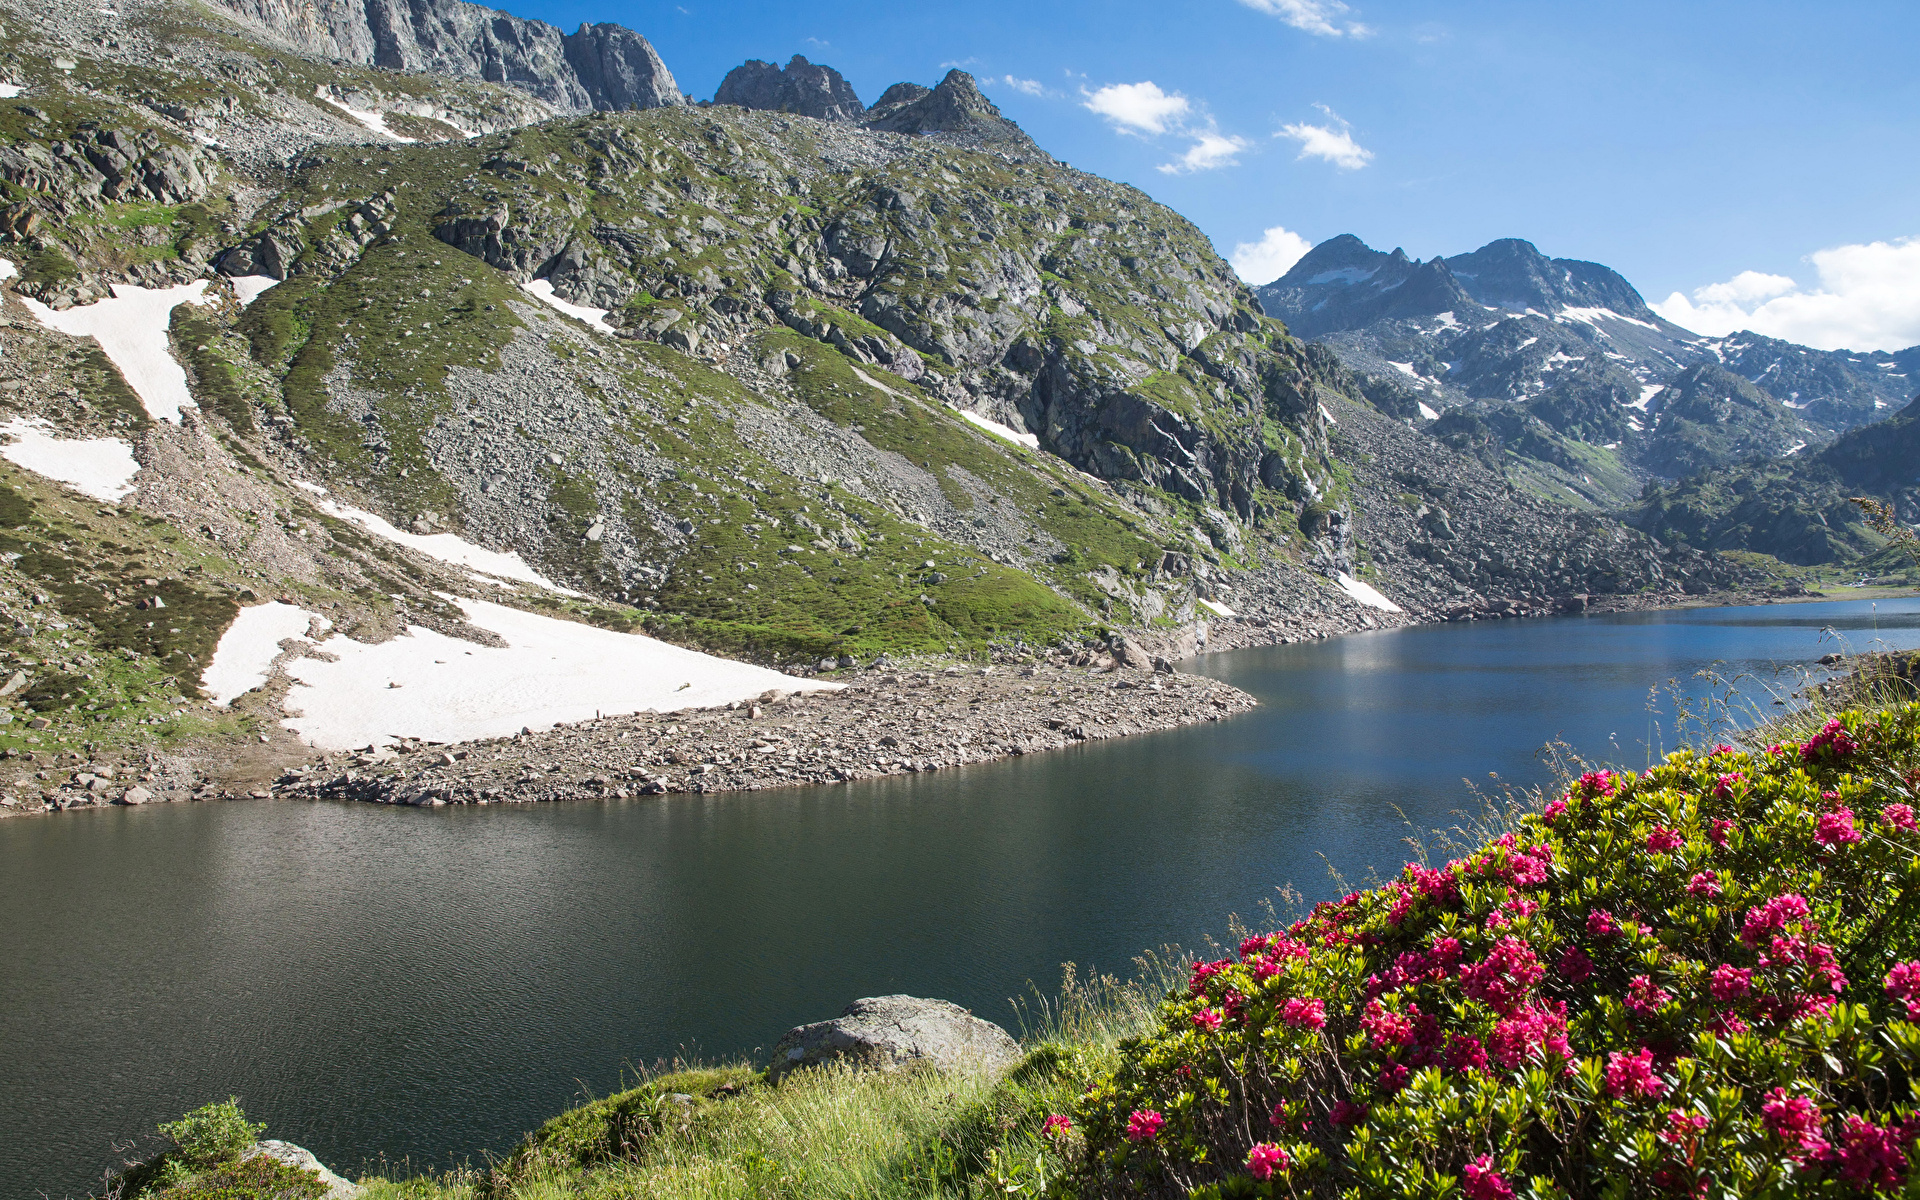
428,984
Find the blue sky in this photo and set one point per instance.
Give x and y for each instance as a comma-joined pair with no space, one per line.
1683,144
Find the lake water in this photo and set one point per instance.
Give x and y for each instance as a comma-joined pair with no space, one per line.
428,984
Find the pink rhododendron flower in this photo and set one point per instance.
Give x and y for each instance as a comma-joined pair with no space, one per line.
1143,1125
1249,947
1729,982
1600,923
1575,966
1645,997
1530,1033
1466,1054
1664,841
1900,816
1279,1116
1869,1155
1718,829
1264,970
1207,1019
1903,983
1484,1183
1723,787
1816,957
1723,748
1835,829
1386,1029
1266,1158
1203,971
1347,1113
1704,883
1683,1127
1553,811
1833,741
1727,1021
1509,970
1437,885
1776,913
1393,1077
1597,783
1057,1125
1632,1075
1795,1120
1302,1013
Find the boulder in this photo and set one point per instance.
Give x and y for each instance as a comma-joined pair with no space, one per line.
303,1159
886,1033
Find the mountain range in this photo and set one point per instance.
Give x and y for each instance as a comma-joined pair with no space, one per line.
398,315
1586,390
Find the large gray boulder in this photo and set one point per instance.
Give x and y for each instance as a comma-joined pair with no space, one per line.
302,1159
886,1033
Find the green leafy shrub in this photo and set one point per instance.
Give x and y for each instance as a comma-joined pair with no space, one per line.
211,1134
258,1178
1694,981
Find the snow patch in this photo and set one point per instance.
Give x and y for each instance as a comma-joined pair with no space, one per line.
372,120
424,684
1427,412
1797,448
132,331
1327,415
1343,275
1218,610
1030,440
244,657
1446,320
1523,345
1365,593
99,467
7,269
9,90
1647,392
443,546
248,287
1593,316
542,290
1406,367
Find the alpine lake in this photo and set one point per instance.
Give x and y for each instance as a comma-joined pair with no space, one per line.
424,985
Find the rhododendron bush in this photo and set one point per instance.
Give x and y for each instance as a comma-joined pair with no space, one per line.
1698,981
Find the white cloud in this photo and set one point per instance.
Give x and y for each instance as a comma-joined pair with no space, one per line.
1319,17
1030,87
1868,298
1269,258
1138,107
1210,151
1333,142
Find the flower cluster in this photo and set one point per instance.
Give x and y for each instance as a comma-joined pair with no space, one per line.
1659,961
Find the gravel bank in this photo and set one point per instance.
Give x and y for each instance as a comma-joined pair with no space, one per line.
886,722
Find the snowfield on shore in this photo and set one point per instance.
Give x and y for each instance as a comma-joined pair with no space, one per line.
430,686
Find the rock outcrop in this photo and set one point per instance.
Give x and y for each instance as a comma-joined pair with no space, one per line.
803,88
955,108
597,67
302,1159
887,1033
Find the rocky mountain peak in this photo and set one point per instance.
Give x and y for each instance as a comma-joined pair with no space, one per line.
1511,273
606,67
803,88
955,107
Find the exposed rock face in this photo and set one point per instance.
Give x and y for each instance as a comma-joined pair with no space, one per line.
597,67
955,108
803,88
886,1033
302,1159
1710,417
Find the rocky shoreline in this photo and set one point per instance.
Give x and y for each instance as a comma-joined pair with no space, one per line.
883,722
889,719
